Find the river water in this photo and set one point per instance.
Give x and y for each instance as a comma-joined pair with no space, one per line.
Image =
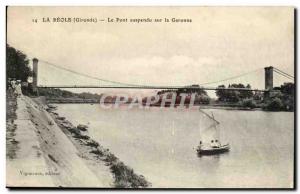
161,144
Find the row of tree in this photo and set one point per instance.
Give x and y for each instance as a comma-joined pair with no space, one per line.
201,96
234,95
280,99
283,100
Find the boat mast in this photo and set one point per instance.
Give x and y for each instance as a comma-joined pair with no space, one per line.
214,125
211,117
217,130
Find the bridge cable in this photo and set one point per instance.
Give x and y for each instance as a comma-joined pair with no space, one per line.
284,75
283,72
82,74
145,86
230,78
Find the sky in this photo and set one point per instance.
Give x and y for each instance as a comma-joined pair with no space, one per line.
220,42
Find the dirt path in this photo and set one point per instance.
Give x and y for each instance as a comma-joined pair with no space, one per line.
46,157
25,161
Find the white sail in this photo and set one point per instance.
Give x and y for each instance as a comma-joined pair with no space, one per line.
208,128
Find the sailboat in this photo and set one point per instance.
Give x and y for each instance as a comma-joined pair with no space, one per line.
212,146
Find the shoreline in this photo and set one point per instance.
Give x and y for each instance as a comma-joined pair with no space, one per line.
213,106
43,152
124,176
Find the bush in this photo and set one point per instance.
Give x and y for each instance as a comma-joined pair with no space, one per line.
204,100
274,105
248,103
126,178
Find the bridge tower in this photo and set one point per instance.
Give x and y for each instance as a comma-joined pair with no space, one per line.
35,74
269,78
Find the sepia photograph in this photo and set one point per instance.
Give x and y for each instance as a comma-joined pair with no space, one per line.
150,97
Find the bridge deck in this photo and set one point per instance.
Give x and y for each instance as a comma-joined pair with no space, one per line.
156,87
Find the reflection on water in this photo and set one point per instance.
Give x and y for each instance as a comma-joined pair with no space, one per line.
161,145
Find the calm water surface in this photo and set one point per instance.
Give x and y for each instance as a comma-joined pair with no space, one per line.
160,144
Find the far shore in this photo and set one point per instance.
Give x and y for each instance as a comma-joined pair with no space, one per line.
202,106
206,106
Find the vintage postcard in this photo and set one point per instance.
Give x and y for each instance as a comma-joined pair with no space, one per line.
150,97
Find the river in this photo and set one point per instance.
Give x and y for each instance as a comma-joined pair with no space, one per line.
160,144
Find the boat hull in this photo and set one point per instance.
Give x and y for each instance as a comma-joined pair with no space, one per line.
214,151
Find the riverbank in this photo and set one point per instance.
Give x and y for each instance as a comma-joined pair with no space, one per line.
71,100
222,107
42,154
124,176
45,157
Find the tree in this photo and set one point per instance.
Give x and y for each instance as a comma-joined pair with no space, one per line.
17,64
248,94
275,104
201,96
288,88
193,89
234,95
288,91
221,93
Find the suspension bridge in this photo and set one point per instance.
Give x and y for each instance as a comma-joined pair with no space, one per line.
105,83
